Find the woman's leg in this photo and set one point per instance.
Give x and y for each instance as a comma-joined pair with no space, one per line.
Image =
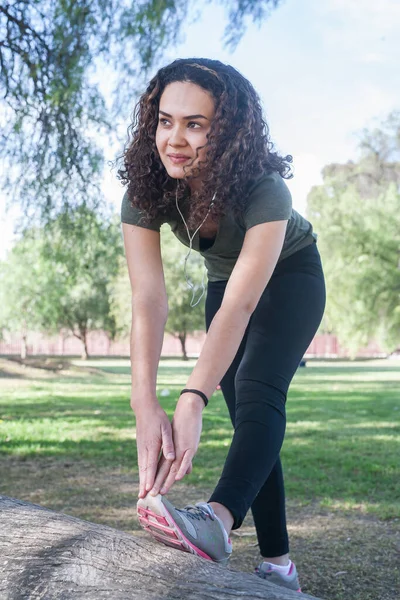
280,330
271,515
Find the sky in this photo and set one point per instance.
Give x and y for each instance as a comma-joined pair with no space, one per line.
324,71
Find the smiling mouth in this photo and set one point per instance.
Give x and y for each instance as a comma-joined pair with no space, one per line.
178,158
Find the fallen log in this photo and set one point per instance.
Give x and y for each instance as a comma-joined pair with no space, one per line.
51,556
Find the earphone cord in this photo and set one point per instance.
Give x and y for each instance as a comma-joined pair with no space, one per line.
191,238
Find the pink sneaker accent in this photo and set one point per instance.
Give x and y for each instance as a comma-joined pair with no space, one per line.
169,533
167,541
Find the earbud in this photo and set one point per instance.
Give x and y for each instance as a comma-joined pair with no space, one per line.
191,238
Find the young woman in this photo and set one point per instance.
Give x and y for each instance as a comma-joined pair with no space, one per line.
200,159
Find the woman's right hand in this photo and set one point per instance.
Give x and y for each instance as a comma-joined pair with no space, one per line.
153,433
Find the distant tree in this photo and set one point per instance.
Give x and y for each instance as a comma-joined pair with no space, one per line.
378,165
182,318
22,289
357,215
53,112
121,299
58,278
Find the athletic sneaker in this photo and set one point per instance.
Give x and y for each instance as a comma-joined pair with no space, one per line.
291,581
194,529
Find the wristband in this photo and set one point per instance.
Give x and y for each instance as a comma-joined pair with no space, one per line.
201,394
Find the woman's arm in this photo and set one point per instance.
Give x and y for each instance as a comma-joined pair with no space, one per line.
259,255
149,309
149,315
255,265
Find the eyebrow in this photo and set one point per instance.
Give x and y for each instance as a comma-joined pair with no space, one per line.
188,118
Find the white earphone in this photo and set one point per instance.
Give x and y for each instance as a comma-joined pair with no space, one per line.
191,238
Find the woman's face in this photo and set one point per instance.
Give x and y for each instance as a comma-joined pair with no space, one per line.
185,114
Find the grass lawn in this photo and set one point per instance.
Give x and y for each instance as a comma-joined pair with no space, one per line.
67,441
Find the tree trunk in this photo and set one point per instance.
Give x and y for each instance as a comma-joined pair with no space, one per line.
46,555
85,353
182,339
24,347
63,334
24,341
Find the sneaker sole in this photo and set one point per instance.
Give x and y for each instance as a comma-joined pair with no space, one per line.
156,520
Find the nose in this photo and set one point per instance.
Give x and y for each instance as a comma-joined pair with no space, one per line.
177,137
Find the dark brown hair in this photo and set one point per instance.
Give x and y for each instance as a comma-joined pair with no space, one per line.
239,148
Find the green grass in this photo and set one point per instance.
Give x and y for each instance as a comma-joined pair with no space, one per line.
341,448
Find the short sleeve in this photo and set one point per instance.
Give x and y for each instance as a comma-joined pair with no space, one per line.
134,216
269,200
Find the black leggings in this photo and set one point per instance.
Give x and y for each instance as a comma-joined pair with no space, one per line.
255,386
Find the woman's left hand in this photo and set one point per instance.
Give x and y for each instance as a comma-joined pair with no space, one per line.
186,431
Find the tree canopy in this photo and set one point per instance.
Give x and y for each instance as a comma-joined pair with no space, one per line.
357,215
54,112
58,278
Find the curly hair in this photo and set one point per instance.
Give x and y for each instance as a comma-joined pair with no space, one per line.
239,148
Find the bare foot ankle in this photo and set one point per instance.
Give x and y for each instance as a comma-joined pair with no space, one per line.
282,561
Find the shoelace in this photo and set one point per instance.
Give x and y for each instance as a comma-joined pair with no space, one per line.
195,512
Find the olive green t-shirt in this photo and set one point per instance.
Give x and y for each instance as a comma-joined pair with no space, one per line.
269,199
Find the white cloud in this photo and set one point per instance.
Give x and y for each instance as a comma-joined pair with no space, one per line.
370,102
364,29
373,57
382,16
7,223
112,188
307,173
